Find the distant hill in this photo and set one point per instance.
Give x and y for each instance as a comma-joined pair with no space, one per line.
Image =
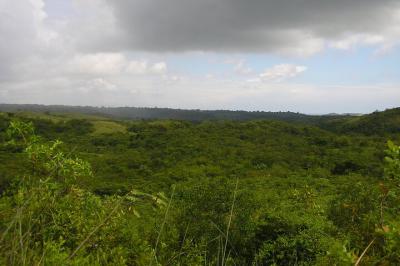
376,123
136,113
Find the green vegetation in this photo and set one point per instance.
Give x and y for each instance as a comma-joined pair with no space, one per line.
154,113
88,190
107,127
377,123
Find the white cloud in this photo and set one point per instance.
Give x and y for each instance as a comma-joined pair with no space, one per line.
176,78
281,72
203,94
113,64
99,63
353,40
300,43
101,84
145,68
137,67
159,68
242,68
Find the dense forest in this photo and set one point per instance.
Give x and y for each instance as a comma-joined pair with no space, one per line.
167,113
193,187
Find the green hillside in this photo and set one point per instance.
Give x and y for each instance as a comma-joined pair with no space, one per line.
171,192
137,113
377,123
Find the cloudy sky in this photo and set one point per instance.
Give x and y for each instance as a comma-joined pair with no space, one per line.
311,56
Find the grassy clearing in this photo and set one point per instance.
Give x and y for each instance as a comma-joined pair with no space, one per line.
101,124
107,127
57,117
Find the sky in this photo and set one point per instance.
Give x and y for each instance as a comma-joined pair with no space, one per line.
309,56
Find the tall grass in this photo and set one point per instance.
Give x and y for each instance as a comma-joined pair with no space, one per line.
162,227
229,225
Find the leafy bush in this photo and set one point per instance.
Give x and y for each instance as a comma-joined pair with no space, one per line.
46,218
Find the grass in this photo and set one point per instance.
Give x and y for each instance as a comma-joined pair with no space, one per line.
102,125
229,224
57,117
107,127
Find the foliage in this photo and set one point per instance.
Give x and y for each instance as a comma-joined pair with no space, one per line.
392,169
47,219
367,214
227,192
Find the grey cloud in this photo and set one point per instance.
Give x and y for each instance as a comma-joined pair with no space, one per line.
95,54
24,37
16,34
243,26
